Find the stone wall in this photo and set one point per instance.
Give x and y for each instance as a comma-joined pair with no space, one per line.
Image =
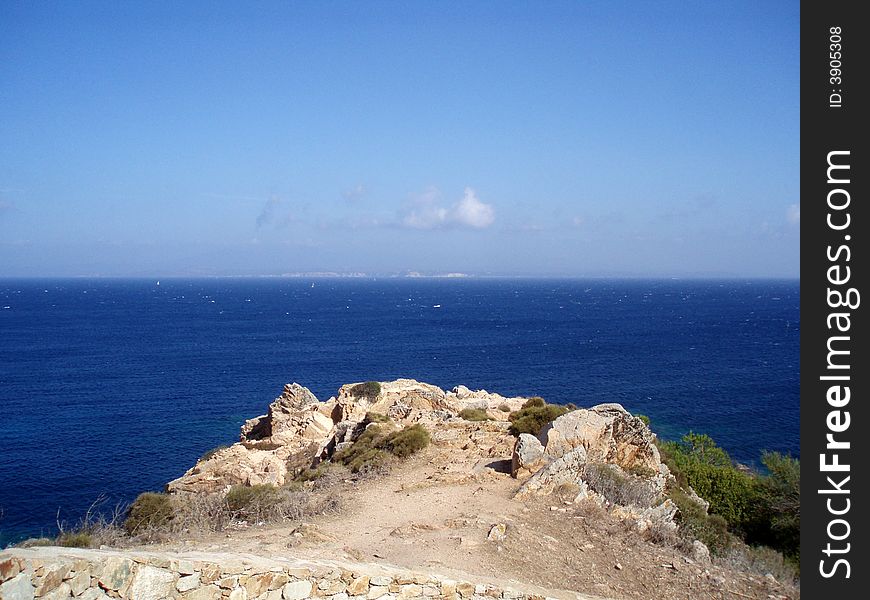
52,573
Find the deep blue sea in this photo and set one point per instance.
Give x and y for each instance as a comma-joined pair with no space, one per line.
115,387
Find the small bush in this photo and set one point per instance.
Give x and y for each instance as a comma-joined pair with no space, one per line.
251,501
696,524
534,402
369,389
504,408
618,487
474,414
408,441
761,560
375,417
212,452
534,415
311,474
75,539
643,418
372,449
363,453
148,511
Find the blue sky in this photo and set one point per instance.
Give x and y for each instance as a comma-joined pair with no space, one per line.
558,138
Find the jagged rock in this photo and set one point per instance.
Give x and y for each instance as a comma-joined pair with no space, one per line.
565,469
296,412
608,432
527,456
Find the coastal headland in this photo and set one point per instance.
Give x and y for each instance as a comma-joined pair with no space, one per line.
401,490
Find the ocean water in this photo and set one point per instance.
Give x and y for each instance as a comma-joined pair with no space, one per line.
114,387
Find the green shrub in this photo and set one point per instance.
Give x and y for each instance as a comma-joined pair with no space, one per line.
252,500
761,509
375,417
311,474
212,452
373,447
643,418
534,402
149,510
369,389
696,524
504,408
778,521
363,453
534,415
474,414
75,539
732,493
408,441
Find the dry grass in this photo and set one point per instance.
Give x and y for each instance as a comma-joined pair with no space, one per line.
619,487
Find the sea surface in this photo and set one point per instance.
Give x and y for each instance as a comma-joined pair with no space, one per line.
113,387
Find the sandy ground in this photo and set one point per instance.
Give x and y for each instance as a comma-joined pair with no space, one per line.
433,513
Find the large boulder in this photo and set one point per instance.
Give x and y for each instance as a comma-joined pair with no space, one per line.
606,433
498,407
527,456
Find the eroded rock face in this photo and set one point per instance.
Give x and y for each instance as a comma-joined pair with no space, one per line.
298,431
606,433
397,399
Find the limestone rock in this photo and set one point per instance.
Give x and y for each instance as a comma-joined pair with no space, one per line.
397,399
208,592
606,433
61,592
116,573
151,583
187,583
527,456
296,590
17,588
9,568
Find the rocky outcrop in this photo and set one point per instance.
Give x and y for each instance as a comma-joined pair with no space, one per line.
298,430
606,433
270,446
48,573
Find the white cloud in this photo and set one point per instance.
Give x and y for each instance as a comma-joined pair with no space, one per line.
471,212
793,214
427,212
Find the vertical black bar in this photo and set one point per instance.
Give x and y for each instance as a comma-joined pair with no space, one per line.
835,372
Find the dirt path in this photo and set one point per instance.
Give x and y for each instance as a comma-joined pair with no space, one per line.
434,514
